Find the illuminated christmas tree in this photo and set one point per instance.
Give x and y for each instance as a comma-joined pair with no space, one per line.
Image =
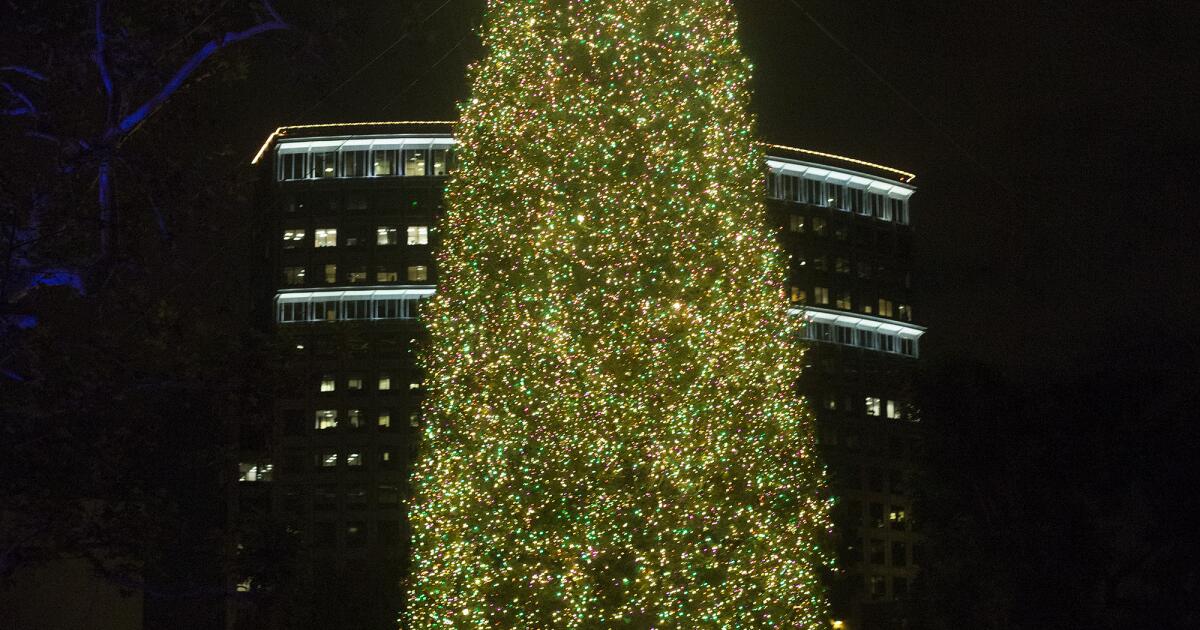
613,435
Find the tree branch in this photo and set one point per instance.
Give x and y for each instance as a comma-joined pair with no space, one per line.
190,66
99,56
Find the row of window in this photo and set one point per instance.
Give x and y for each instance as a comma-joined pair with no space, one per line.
837,196
354,419
350,308
331,164
355,534
384,274
357,383
821,297
331,459
876,553
860,338
384,235
895,517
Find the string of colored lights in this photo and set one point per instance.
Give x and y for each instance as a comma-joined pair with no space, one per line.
613,436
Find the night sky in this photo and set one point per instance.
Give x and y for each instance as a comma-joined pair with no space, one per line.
1053,144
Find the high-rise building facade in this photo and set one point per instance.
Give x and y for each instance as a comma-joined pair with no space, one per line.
350,220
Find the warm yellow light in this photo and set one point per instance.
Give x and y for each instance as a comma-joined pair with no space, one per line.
838,624
285,130
905,176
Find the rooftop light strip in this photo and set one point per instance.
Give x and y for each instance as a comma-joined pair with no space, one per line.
905,176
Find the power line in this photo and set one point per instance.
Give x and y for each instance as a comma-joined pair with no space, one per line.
367,65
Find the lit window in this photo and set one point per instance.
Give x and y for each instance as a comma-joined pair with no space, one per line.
324,164
414,419
293,276
798,294
885,308
440,162
293,238
385,419
387,236
357,276
354,417
797,224
387,275
384,162
414,163
841,265
905,312
330,274
873,406
418,235
898,517
354,383
414,386
354,459
893,410
328,384
819,226
387,459
821,295
327,459
326,237
258,471
844,302
418,273
326,419
385,383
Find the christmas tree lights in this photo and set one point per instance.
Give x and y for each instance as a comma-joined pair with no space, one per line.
613,438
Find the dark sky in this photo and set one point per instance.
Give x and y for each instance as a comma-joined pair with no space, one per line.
1055,144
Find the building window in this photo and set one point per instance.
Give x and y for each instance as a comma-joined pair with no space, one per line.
885,308
844,302
414,419
356,534
326,237
293,238
387,236
864,269
385,383
385,420
819,226
873,406
841,265
331,274
327,459
820,263
440,162
878,586
904,312
326,419
387,459
355,383
876,515
418,235
899,554
418,273
291,166
813,192
356,498
354,459
898,518
876,552
325,535
387,275
384,162
414,163
355,163
899,587
325,498
797,223
389,533
356,309
354,418
328,384
254,472
908,347
836,194
387,496
899,209
893,410
875,204
821,295
354,238
293,276
845,335
357,276
324,164
857,201
798,295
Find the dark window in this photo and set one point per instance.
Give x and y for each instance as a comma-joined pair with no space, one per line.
899,554
324,534
389,533
876,551
356,534
356,163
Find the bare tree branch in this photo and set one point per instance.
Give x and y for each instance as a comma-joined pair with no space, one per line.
189,67
29,72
